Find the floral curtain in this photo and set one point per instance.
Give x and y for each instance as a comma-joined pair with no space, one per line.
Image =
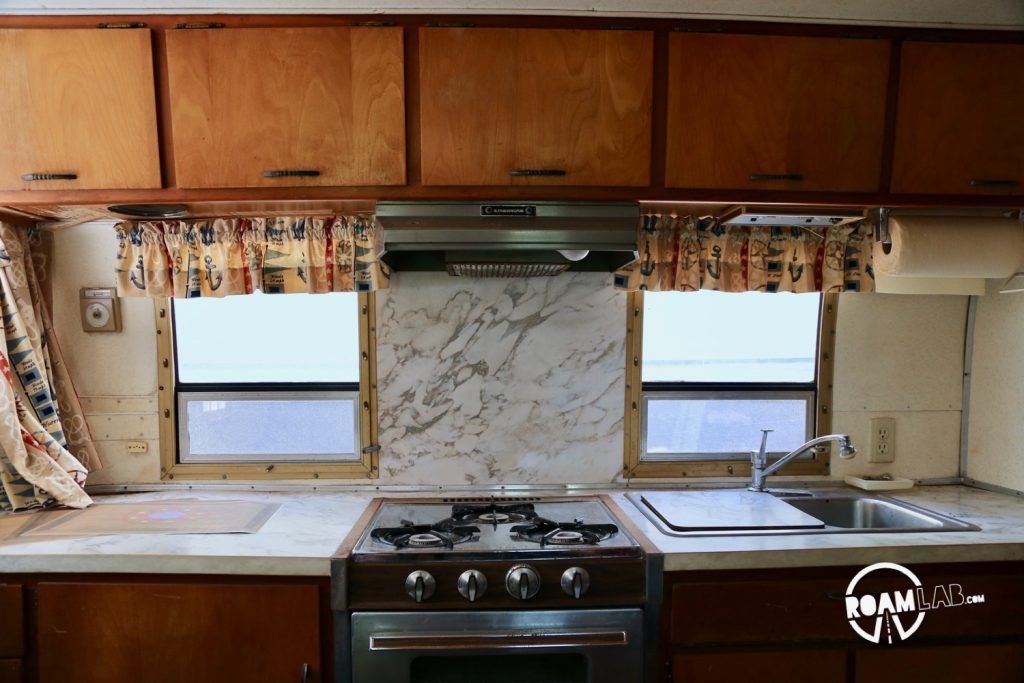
687,253
45,445
225,256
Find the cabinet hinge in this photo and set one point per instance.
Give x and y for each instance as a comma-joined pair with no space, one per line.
373,24
121,24
200,24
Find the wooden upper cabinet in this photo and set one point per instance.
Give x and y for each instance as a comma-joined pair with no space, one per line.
960,122
273,107
535,106
776,112
78,104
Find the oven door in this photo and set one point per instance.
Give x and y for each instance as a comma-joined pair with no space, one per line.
547,646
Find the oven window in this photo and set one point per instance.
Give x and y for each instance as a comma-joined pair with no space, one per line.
520,668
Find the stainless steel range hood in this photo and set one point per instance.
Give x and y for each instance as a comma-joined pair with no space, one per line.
508,239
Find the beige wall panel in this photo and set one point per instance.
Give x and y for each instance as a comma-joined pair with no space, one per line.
122,427
927,444
897,352
996,437
123,467
95,405
102,364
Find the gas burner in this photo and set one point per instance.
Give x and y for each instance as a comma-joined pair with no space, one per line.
545,532
493,514
444,534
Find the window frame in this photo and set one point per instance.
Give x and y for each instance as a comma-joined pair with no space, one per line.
366,467
723,465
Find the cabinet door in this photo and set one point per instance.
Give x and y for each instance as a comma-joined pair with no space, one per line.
776,112
80,104
535,106
168,633
10,671
12,622
941,664
287,106
960,123
793,666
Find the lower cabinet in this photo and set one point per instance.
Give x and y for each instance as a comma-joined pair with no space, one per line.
10,671
942,664
175,632
791,625
814,666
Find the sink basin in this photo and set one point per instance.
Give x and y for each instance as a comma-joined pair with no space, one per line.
840,511
855,512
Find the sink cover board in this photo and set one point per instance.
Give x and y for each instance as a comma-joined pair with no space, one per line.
726,511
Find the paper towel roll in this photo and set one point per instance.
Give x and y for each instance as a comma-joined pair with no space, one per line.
951,247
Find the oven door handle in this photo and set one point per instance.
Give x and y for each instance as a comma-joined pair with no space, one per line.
496,640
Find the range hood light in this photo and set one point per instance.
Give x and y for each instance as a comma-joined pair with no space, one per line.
574,254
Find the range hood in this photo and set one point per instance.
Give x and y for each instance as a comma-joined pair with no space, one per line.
508,239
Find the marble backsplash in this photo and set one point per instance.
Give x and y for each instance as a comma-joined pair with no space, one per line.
503,380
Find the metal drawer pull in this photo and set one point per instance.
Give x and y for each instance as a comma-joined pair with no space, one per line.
537,171
776,176
994,182
304,675
291,173
480,641
28,177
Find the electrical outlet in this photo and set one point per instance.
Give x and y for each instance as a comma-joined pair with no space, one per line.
883,439
138,447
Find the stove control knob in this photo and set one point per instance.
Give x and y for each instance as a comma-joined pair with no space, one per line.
420,585
472,584
522,582
575,582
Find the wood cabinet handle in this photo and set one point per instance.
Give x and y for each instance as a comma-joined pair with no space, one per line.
994,182
304,675
28,177
537,171
776,176
291,173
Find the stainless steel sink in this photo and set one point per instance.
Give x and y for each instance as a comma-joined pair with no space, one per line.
841,511
875,514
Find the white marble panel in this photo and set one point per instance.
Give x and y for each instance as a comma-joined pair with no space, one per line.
505,380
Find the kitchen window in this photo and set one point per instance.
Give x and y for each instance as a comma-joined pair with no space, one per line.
706,371
268,386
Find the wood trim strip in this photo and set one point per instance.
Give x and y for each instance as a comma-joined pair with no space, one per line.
634,343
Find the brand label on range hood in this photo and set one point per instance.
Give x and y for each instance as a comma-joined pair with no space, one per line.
508,210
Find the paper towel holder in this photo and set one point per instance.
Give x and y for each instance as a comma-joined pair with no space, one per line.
882,228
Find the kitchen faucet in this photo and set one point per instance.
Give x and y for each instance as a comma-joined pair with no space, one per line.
759,459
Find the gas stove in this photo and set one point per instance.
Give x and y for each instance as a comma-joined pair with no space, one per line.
494,529
519,584
493,554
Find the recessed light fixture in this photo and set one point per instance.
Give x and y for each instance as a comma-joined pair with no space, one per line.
150,210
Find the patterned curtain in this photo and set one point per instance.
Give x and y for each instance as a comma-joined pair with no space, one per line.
687,253
45,445
226,256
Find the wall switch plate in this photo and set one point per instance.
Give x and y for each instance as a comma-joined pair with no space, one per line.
101,309
138,447
883,439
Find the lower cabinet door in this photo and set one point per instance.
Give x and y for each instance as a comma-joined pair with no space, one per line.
794,666
10,671
942,664
178,633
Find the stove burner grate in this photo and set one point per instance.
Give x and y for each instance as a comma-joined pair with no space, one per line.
493,514
444,534
545,532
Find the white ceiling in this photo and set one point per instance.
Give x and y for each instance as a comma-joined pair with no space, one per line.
996,14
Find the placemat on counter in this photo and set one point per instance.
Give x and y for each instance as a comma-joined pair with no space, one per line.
161,517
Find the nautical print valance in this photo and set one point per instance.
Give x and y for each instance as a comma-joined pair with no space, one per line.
687,253
225,256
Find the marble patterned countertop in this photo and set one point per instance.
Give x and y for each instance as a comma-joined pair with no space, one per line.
301,538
